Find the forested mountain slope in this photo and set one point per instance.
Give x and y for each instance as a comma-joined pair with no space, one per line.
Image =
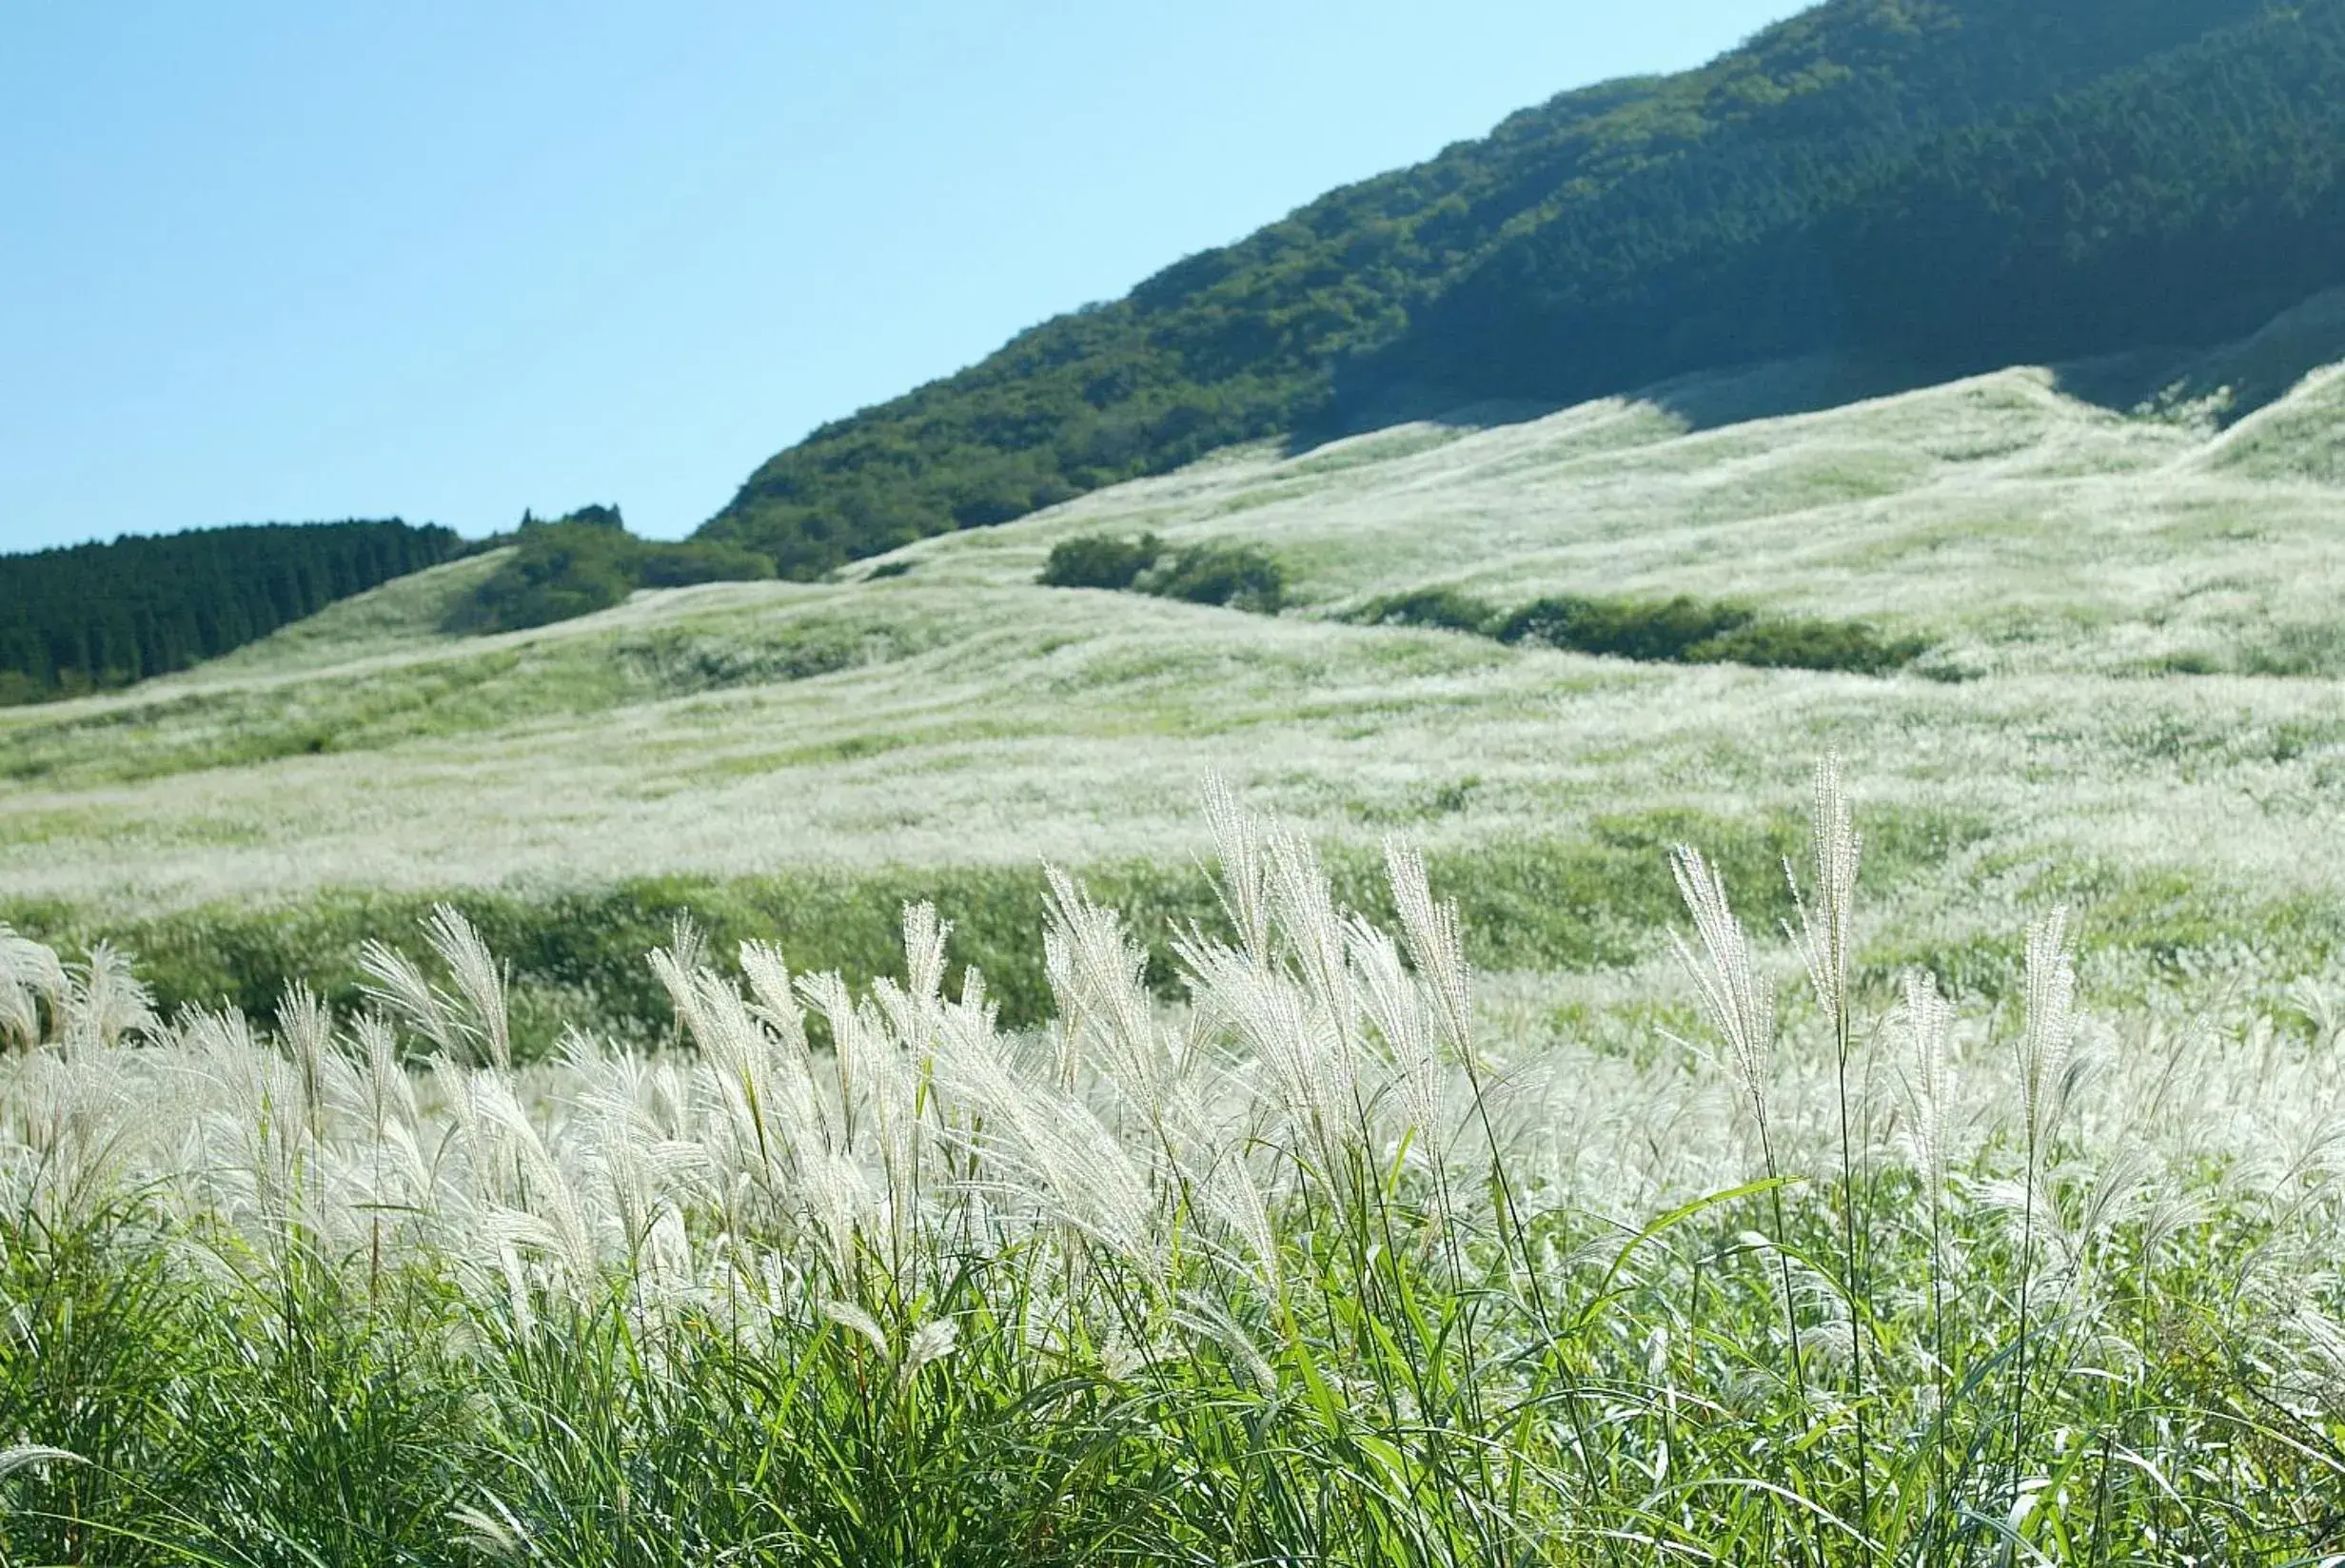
109,614
2182,200
1873,173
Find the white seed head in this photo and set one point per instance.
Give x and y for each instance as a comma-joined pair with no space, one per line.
1738,1005
931,1343
853,1319
1828,920
2047,1043
34,1456
479,979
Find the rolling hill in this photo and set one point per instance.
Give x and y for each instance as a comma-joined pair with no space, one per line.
1911,445
1931,186
2129,698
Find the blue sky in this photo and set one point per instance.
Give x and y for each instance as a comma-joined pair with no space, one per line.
448,260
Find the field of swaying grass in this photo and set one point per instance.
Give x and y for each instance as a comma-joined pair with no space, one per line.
2128,701
1314,1266
1247,1194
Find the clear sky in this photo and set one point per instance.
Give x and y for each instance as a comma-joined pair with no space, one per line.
446,258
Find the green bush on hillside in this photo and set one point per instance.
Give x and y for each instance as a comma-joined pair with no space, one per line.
588,562
1239,576
1688,631
1665,631
1097,561
1682,629
1800,643
1445,608
560,571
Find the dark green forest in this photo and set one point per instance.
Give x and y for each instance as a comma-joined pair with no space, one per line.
103,615
2184,200
1935,183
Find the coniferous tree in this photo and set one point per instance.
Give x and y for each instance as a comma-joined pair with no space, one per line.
100,614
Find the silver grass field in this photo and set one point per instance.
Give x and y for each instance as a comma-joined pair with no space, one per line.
1302,1270
2133,659
1975,1204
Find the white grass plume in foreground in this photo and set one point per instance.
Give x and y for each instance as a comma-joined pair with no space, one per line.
1299,1271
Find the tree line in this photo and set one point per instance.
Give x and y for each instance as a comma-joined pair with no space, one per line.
94,616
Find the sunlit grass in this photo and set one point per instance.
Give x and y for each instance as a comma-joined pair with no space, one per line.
1321,1264
2086,582
1229,1229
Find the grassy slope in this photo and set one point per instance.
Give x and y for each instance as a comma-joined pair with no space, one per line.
862,737
402,617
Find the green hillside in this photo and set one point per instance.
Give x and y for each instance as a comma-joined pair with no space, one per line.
2181,200
1938,185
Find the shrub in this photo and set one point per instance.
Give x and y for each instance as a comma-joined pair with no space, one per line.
1445,608
1659,631
558,571
1691,631
1803,644
1239,576
1096,560
588,562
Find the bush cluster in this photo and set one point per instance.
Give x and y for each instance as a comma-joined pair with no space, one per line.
1237,576
1099,560
1682,630
1447,609
588,562
1673,631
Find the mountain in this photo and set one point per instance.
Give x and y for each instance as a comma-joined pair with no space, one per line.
2181,200
1937,183
103,615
